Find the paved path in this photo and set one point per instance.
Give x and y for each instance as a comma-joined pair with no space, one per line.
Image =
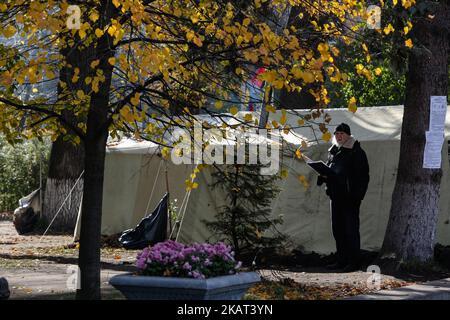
56,283
432,290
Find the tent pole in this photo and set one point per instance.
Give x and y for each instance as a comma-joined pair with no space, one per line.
167,190
40,184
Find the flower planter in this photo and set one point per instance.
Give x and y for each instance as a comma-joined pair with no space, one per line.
231,287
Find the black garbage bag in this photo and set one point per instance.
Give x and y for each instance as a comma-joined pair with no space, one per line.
4,289
152,229
25,220
26,215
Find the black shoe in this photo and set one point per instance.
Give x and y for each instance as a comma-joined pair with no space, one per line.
335,266
350,268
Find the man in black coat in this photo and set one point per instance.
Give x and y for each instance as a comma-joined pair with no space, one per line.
346,189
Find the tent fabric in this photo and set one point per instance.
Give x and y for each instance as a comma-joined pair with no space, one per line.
130,173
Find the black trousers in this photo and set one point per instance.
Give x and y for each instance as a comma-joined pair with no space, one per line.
345,225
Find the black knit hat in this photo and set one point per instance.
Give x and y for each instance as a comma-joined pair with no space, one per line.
343,127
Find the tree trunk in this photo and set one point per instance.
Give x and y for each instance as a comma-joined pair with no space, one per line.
95,149
410,234
66,158
91,218
66,166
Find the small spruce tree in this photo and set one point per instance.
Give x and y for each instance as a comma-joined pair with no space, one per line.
245,221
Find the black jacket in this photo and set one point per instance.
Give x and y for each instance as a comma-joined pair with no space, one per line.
351,172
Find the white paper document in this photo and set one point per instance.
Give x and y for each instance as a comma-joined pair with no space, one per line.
438,112
432,156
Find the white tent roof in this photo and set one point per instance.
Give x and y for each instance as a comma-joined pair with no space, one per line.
131,146
367,124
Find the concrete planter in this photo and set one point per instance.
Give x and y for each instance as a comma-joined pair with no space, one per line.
230,287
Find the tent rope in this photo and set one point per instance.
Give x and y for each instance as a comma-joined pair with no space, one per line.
182,211
188,194
62,205
178,215
153,189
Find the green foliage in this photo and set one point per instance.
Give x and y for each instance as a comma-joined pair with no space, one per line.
19,170
245,221
384,90
387,66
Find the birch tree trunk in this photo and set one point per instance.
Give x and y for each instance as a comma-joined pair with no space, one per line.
66,166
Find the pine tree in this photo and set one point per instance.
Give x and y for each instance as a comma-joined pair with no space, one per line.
245,221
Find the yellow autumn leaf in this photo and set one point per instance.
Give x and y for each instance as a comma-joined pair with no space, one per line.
218,104
234,110
165,152
298,153
248,117
136,98
378,71
198,41
352,105
112,61
283,117
409,43
93,16
112,30
191,185
308,77
82,33
98,32
95,63
270,108
326,136
269,76
9,31
127,114
80,94
388,29
302,180
275,124
406,30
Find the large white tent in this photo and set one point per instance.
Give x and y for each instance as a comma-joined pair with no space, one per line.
135,182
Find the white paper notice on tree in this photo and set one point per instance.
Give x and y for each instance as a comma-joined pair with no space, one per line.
438,112
432,156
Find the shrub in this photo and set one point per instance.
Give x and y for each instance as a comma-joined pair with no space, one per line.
19,170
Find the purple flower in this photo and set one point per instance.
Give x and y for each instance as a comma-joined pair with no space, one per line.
199,260
140,263
187,266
